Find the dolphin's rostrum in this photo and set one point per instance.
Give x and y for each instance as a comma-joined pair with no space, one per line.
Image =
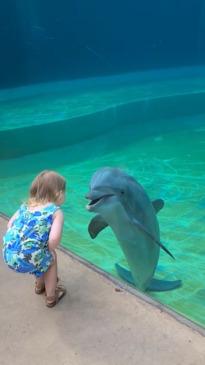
121,203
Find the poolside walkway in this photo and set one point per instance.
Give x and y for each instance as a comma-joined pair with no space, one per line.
97,323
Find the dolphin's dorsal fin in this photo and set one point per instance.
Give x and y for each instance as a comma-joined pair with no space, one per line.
140,225
158,204
96,225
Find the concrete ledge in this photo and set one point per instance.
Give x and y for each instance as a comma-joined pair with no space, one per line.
98,322
141,296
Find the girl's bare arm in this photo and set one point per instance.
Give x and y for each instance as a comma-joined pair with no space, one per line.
56,230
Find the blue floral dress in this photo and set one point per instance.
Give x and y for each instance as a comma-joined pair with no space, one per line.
25,244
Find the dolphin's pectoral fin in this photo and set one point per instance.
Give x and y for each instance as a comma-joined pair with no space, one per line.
96,225
158,204
164,285
124,274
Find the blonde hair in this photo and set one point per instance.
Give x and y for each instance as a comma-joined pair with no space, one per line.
46,187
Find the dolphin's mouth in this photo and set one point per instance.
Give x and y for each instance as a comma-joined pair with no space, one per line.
94,202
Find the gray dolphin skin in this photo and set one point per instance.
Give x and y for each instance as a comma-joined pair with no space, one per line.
121,203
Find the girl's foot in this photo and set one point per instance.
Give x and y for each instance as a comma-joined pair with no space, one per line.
53,300
39,288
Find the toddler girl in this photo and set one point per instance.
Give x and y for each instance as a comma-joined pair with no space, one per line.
34,232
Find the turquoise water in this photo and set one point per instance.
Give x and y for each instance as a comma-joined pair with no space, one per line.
166,155
168,165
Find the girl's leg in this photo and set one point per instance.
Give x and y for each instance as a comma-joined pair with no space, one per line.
54,292
50,278
40,284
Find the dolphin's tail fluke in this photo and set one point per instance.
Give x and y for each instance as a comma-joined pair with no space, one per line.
155,285
164,285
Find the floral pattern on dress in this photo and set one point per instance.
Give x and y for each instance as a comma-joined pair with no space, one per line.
25,244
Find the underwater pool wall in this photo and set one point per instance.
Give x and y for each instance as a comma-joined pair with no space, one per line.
17,142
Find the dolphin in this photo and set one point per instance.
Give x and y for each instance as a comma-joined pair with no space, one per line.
122,203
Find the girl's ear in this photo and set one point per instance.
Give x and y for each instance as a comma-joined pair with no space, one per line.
59,196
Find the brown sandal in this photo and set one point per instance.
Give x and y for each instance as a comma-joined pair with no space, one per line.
53,300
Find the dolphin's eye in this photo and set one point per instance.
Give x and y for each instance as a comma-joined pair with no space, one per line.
122,192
